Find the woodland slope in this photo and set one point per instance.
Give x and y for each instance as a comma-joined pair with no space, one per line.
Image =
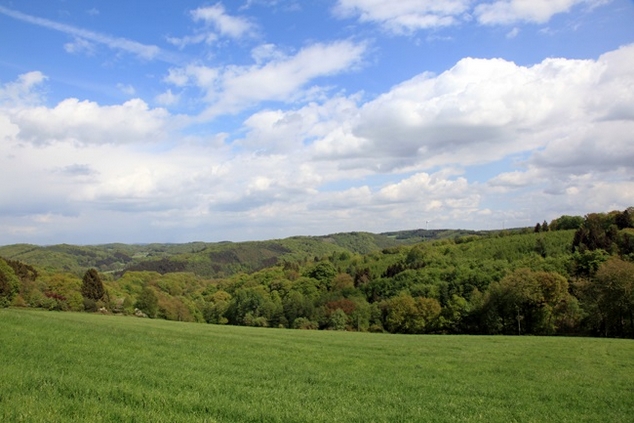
574,275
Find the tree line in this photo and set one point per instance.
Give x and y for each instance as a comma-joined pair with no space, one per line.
572,276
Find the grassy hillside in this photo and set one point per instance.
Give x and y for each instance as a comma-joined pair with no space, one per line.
61,367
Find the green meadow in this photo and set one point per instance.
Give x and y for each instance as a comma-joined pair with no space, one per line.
78,367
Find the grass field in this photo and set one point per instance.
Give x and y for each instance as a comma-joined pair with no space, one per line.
65,367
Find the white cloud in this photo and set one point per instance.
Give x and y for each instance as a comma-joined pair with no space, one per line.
423,185
339,164
479,111
126,89
80,45
569,118
85,122
168,98
281,78
507,12
513,33
225,24
23,91
408,16
404,16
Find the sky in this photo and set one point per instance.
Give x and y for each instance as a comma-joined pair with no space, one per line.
180,121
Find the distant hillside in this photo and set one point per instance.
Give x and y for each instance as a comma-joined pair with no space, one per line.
570,276
218,259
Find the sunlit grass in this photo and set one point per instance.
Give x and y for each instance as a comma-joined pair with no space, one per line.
60,367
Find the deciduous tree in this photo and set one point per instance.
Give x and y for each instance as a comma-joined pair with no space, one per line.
147,302
9,284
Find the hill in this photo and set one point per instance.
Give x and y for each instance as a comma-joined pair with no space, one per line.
553,279
219,259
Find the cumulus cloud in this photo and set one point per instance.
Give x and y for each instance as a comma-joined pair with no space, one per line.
596,141
482,110
278,131
86,122
281,78
569,121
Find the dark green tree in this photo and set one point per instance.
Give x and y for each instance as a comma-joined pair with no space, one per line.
624,219
598,231
92,289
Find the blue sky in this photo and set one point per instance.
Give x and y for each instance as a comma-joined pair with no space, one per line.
179,121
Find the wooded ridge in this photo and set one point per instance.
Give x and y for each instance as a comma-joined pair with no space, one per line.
574,275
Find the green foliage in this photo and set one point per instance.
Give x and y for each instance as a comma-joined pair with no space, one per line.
147,302
586,263
514,281
404,314
324,272
9,284
338,320
598,231
609,298
529,301
92,287
565,222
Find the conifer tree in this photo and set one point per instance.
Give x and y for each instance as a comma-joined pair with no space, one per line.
92,287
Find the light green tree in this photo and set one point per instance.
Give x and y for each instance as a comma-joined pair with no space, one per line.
9,284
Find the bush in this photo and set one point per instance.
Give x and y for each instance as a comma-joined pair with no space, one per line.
304,323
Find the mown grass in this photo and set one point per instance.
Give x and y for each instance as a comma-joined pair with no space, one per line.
65,367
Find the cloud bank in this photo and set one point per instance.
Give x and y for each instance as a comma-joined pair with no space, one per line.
563,122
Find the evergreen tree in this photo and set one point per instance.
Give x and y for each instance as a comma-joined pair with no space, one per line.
92,287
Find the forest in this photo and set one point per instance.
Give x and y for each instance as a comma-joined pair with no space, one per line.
571,276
